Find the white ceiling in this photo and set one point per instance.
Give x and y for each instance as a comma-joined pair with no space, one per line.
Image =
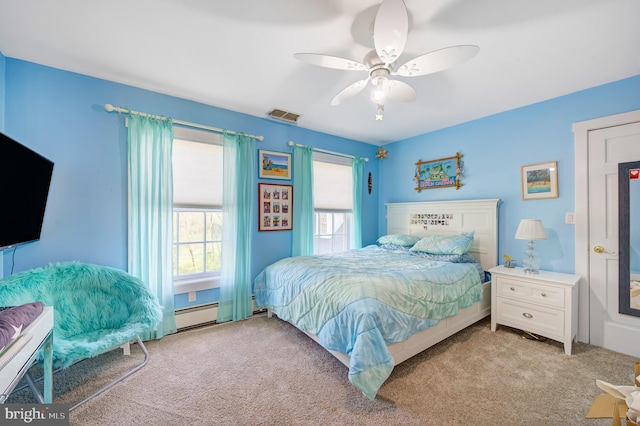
238,55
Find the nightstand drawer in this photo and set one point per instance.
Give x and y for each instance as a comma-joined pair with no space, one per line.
530,291
533,318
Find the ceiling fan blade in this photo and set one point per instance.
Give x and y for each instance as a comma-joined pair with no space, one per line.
349,91
400,91
437,60
329,61
390,30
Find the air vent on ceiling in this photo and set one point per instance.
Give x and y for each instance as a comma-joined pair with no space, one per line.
278,114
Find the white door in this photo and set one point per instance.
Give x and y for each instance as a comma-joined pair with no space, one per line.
607,147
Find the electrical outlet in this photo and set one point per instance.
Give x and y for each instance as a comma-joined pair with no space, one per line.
570,218
192,296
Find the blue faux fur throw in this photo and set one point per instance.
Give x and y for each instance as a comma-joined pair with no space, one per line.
96,308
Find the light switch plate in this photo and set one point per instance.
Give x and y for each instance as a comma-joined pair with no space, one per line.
570,218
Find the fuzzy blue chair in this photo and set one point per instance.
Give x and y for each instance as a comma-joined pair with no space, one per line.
96,309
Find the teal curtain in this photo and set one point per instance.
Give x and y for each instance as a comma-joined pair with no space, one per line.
239,197
302,244
151,212
357,171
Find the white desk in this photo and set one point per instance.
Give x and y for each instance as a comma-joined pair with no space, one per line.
40,332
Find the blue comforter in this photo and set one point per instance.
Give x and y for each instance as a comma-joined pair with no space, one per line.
359,301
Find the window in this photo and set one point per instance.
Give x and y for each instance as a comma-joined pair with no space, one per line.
197,241
333,203
197,209
331,232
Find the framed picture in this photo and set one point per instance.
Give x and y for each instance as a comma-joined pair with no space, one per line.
274,165
275,204
441,173
539,181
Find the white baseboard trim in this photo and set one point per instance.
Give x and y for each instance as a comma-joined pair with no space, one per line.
192,317
622,338
200,315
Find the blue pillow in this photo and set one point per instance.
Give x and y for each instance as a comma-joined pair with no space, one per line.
399,240
451,258
395,247
445,244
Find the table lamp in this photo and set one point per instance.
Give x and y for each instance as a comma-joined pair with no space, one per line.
530,229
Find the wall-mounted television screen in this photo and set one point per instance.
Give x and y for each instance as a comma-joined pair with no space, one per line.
25,177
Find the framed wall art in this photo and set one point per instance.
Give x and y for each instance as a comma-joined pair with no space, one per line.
539,181
441,173
275,204
274,165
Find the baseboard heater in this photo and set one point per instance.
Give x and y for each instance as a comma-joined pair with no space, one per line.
199,316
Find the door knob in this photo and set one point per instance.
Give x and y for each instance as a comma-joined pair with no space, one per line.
600,250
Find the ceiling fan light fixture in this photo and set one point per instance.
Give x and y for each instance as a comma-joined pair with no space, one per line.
378,95
381,85
390,31
381,82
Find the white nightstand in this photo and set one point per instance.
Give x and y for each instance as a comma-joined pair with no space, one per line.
545,303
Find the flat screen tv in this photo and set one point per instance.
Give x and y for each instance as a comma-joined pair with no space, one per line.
25,177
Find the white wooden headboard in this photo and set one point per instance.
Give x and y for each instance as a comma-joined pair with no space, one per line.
450,217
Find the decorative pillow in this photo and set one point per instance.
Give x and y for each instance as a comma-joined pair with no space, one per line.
395,247
452,258
399,240
445,244
15,319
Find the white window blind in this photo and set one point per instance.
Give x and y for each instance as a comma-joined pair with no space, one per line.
197,168
332,182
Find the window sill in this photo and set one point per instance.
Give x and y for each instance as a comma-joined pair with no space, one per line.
195,284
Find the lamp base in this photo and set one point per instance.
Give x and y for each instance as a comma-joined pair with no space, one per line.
530,262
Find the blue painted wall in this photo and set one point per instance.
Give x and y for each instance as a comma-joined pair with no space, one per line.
61,115
495,148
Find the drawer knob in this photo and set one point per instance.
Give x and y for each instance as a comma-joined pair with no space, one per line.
512,289
527,315
543,294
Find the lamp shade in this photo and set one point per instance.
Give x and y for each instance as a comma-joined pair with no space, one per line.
531,229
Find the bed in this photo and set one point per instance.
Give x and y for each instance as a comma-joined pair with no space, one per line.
375,307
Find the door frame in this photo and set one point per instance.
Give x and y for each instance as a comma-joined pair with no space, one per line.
582,244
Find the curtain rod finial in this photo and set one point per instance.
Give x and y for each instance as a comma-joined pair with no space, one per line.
108,107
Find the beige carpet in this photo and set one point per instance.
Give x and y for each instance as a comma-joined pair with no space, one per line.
265,372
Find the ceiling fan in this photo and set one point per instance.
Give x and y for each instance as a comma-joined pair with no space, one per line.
390,29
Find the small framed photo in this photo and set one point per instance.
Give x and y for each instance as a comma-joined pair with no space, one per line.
274,165
539,181
275,204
